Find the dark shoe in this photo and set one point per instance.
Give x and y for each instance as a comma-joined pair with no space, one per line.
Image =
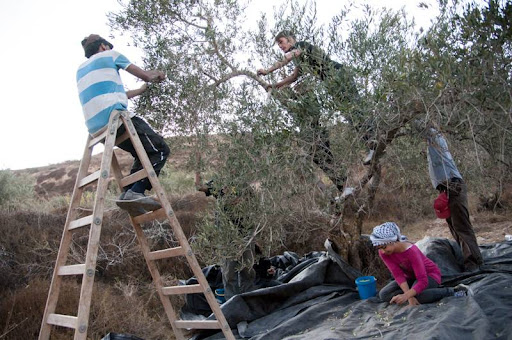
133,210
347,192
137,203
121,197
462,290
369,157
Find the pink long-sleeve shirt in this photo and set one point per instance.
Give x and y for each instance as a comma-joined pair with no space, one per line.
412,264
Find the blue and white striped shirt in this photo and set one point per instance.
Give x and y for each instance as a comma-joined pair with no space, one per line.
100,87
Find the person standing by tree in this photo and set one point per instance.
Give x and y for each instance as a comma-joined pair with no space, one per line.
446,178
238,273
101,92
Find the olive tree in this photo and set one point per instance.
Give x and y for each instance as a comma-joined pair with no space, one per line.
265,163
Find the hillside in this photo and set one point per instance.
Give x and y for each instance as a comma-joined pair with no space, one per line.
59,179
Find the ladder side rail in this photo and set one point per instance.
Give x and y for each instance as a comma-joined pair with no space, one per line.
178,231
196,269
116,171
157,279
53,294
95,231
141,237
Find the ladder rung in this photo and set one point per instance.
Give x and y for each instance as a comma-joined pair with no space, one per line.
99,137
80,222
188,289
62,320
122,138
154,215
206,324
165,253
74,269
141,174
89,179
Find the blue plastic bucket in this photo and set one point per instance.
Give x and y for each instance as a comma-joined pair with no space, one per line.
367,286
219,295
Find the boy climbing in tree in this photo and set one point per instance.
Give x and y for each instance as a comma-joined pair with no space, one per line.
338,83
312,60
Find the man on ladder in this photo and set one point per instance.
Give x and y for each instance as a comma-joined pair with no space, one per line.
101,91
104,104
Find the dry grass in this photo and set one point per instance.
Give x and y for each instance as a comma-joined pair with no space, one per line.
121,308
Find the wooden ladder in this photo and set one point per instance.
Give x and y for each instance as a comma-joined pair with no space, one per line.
94,222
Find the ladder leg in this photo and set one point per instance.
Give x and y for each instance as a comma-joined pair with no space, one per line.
95,232
53,294
86,270
157,279
180,235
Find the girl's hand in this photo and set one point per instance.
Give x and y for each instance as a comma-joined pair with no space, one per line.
399,299
413,302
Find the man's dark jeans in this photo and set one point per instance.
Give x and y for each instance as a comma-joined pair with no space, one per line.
460,225
155,147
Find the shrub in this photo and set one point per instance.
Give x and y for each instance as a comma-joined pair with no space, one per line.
14,188
176,182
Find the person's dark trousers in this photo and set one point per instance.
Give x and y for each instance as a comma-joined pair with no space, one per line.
155,147
460,225
347,100
316,139
238,280
324,159
430,294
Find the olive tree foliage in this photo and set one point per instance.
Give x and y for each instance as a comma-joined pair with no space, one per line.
214,96
264,160
468,57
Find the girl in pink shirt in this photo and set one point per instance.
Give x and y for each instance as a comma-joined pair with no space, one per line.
417,278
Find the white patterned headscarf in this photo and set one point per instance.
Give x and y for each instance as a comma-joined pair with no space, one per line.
386,233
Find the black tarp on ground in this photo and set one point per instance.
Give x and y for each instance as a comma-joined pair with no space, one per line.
321,302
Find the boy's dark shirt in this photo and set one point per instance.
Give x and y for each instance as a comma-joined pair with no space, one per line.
314,60
338,79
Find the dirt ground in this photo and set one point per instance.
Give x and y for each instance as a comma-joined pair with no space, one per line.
489,228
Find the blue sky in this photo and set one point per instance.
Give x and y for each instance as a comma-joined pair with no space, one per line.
42,121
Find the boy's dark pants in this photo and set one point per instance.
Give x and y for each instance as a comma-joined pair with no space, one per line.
431,294
460,225
316,138
155,147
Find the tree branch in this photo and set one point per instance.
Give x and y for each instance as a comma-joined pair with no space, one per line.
237,73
